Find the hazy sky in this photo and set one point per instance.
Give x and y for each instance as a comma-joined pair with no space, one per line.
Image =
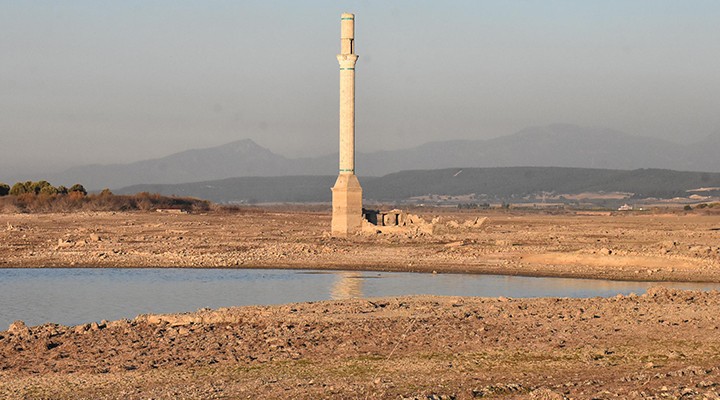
116,81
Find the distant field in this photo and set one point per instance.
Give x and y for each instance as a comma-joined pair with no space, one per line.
515,184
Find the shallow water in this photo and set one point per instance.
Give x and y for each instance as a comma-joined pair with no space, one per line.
72,296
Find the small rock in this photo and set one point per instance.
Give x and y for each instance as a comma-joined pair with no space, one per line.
63,244
81,329
18,328
453,224
546,394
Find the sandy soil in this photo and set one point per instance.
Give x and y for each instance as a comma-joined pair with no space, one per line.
664,344
653,247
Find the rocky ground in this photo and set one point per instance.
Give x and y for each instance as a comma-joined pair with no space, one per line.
628,246
664,344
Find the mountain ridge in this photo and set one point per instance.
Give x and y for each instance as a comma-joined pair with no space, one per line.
485,184
556,145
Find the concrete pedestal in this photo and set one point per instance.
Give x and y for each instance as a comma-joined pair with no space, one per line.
347,205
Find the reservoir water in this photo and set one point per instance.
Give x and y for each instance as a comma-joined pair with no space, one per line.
73,296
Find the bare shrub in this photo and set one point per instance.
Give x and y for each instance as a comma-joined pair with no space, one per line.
106,201
235,209
7,206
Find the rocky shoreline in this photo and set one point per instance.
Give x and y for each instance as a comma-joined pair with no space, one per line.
663,344
643,247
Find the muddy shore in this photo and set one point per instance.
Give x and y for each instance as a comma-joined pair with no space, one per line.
648,247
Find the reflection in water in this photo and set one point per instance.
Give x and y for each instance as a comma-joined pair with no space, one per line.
74,296
526,287
348,286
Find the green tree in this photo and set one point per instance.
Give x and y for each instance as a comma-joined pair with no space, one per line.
38,186
77,188
21,188
4,189
62,189
49,189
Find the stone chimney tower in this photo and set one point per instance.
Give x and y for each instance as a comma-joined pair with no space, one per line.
347,193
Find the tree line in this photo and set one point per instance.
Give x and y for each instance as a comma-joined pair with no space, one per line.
39,187
41,196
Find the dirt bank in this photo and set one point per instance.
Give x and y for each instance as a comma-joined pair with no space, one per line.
672,247
665,344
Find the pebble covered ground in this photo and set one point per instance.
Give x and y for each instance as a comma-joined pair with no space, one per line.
641,246
663,344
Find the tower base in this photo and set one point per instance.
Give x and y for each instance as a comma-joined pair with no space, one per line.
347,206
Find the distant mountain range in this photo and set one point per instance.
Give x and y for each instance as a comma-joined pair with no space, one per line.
554,145
486,183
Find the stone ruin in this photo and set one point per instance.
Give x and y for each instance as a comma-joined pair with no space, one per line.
400,222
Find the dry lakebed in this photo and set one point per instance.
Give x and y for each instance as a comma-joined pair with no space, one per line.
664,343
